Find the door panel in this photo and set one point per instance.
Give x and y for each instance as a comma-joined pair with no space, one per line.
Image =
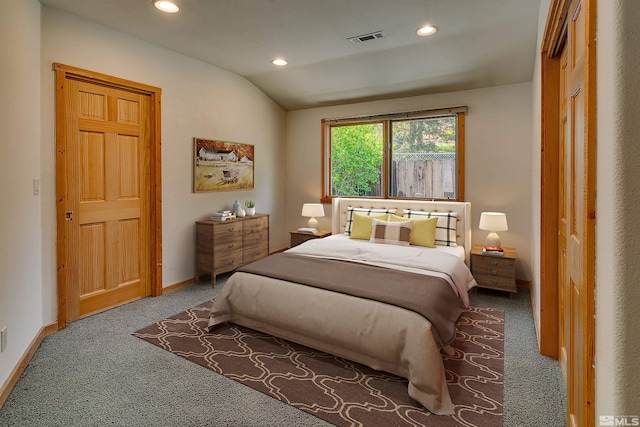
581,213
563,279
568,95
109,264
108,191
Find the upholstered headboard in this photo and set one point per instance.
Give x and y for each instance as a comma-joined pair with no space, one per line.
340,205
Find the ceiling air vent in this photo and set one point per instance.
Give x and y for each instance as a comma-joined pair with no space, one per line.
366,37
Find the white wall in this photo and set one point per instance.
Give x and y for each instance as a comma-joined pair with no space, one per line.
20,228
618,203
497,145
198,100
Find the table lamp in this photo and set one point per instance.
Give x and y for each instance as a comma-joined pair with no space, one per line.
493,221
312,210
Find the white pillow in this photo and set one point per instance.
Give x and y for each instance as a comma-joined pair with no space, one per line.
445,229
362,211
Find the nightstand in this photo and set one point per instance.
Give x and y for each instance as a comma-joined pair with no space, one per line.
298,237
494,272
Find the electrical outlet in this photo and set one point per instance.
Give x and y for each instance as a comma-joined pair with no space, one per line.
3,339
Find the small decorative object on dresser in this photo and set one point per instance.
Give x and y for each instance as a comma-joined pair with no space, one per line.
494,271
223,246
251,207
298,236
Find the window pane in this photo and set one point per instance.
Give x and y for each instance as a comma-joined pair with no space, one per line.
356,160
423,161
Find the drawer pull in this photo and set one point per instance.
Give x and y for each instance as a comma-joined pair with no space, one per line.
494,272
230,262
494,262
230,229
230,245
494,282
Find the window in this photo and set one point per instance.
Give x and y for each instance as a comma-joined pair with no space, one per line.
417,155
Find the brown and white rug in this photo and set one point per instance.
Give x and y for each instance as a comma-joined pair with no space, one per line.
339,391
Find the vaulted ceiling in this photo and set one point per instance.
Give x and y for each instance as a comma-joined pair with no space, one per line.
479,43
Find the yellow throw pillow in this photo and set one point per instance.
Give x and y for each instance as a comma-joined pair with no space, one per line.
423,232
361,228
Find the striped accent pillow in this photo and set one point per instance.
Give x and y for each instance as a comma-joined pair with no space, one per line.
362,211
393,233
445,229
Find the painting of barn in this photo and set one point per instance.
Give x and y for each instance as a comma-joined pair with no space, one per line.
222,165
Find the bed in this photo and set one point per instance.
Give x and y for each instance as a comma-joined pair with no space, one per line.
389,332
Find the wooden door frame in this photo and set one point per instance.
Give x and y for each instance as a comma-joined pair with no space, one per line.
552,43
62,73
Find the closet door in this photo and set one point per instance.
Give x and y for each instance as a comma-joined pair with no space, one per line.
580,239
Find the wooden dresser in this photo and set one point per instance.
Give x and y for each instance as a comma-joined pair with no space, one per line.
494,272
223,246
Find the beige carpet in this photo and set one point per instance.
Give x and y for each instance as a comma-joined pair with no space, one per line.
337,390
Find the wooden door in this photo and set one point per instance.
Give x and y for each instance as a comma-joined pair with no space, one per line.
105,212
563,168
568,184
580,262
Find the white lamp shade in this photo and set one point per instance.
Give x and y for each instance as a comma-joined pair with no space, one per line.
312,209
493,221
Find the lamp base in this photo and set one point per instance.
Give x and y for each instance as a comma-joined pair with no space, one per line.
313,223
493,240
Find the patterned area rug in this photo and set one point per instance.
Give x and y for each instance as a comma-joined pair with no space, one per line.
339,391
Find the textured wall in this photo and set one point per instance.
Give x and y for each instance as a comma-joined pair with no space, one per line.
20,229
618,204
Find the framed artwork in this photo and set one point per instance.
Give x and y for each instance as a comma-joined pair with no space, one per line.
222,165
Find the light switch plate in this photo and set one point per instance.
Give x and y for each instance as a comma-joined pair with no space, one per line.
36,186
3,339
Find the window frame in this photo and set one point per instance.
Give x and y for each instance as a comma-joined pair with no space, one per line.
387,119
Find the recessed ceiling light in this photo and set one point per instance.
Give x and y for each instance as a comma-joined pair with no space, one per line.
279,62
166,6
427,30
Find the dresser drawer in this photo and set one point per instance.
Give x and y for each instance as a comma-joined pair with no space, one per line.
224,261
256,237
493,262
226,230
255,225
493,266
229,243
255,252
496,282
